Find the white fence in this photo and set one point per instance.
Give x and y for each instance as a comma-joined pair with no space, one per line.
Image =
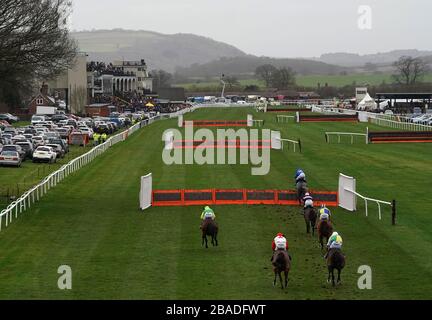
385,120
294,143
351,134
30,197
402,125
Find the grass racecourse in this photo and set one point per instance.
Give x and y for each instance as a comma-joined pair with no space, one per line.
92,223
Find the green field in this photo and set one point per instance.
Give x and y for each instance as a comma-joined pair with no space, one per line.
307,81
92,223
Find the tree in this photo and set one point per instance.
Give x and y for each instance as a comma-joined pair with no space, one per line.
265,73
231,81
34,42
409,70
161,79
283,78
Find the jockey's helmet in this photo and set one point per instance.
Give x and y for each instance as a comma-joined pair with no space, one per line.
206,208
280,234
335,234
298,172
324,211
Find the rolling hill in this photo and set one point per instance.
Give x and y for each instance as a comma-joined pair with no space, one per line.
161,51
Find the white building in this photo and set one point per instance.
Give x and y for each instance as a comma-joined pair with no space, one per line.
142,82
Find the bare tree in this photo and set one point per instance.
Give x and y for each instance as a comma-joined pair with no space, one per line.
34,40
265,72
409,70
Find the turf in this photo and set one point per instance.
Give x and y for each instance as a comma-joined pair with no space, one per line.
91,222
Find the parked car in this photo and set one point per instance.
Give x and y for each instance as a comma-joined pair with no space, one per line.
38,141
63,132
61,142
52,134
10,158
37,119
44,154
10,130
6,138
87,131
57,149
103,128
59,117
9,117
16,148
27,147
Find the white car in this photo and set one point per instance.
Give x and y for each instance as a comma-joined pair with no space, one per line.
44,154
87,131
37,119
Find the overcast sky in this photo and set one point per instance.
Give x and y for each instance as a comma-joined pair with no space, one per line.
277,28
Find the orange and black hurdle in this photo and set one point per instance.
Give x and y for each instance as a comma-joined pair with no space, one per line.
327,118
249,122
399,136
189,197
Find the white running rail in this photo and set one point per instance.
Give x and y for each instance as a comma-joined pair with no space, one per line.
283,118
293,142
366,199
352,134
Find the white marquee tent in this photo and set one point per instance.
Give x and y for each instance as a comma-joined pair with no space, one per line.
367,103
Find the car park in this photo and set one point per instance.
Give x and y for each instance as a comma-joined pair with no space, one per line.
44,154
10,158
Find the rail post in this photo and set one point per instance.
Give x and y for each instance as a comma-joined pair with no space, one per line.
394,212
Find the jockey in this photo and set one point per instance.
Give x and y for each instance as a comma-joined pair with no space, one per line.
334,242
280,242
300,176
308,200
208,213
324,213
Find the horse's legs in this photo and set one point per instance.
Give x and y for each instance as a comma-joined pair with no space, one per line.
274,281
280,279
307,226
313,227
339,276
286,279
215,238
333,279
321,242
205,239
329,274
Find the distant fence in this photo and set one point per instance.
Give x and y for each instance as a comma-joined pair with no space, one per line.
34,194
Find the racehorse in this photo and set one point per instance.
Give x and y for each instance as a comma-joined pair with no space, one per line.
335,260
209,228
310,217
301,190
325,229
281,263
